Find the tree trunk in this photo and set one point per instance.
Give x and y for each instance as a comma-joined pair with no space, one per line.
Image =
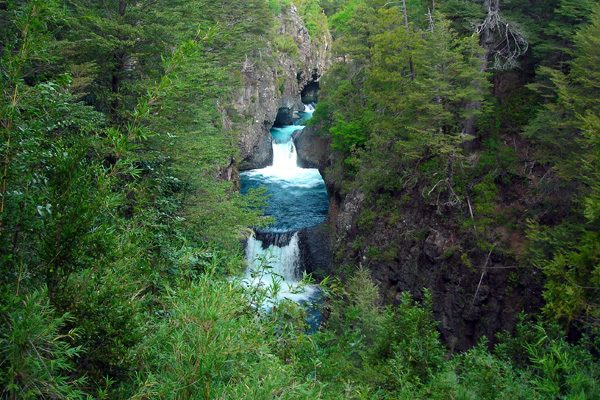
486,35
411,66
122,7
486,40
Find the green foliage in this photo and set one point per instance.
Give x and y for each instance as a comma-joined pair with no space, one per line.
395,353
516,112
341,20
431,99
314,19
54,187
210,346
275,6
417,353
36,356
551,41
108,309
286,45
464,14
356,306
418,83
568,252
110,153
554,367
349,134
568,256
115,128
484,376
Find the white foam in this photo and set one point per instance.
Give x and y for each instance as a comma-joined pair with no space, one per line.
276,270
285,168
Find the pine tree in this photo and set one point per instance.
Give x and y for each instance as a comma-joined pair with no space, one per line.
569,253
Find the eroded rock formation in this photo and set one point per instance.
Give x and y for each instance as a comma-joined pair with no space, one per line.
271,87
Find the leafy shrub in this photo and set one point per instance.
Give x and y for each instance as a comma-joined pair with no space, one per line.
36,356
211,344
286,45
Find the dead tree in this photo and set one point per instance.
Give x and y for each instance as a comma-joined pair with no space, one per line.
503,42
503,45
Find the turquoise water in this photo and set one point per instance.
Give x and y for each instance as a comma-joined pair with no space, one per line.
297,196
297,200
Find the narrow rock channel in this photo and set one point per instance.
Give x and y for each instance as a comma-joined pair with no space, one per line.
297,200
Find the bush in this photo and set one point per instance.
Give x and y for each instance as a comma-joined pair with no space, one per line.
286,45
212,344
36,356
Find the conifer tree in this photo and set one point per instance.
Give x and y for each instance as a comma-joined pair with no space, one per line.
568,129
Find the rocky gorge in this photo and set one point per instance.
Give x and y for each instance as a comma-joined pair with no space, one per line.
421,248
273,86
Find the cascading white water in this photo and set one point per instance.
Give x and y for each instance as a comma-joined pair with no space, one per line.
282,262
277,268
276,265
285,158
285,169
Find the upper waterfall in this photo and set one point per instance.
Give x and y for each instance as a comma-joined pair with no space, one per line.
298,198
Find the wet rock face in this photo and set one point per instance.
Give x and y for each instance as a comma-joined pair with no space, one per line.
314,244
271,87
313,149
279,239
310,93
260,154
285,116
315,251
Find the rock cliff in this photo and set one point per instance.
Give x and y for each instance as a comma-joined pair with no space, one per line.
313,149
409,245
475,293
274,83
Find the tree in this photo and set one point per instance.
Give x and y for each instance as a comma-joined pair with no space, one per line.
568,131
419,118
503,41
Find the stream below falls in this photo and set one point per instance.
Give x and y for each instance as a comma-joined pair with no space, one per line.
297,200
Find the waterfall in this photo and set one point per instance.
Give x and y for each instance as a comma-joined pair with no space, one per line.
309,108
298,200
285,158
285,169
278,266
283,261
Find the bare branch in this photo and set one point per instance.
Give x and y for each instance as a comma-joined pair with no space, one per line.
507,42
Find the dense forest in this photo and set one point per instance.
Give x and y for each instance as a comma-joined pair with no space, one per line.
459,141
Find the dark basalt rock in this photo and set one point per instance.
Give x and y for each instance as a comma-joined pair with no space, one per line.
315,246
313,149
310,93
279,239
315,250
423,249
262,152
285,116
269,87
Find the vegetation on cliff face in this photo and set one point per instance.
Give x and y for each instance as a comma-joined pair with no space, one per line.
399,109
118,233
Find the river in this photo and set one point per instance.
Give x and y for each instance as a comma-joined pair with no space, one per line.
297,200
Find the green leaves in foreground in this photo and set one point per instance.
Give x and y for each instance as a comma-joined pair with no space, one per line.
212,345
35,354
